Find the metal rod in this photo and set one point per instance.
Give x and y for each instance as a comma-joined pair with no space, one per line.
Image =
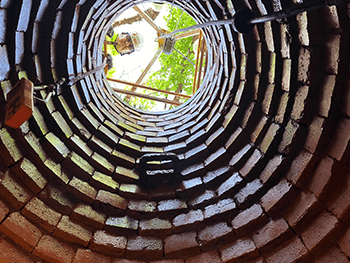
184,56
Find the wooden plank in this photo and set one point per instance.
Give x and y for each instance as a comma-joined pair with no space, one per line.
188,34
148,19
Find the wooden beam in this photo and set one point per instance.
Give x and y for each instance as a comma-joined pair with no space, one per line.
200,64
132,93
188,34
148,19
197,60
149,88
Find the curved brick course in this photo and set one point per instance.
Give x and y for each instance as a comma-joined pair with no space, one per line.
263,145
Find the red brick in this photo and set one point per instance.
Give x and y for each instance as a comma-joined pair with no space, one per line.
86,256
221,209
251,163
344,242
272,233
332,255
340,139
235,252
41,214
85,213
209,257
314,134
277,196
249,219
54,251
168,261
303,210
298,171
20,230
4,210
320,231
10,254
73,232
184,222
213,234
144,247
114,200
290,251
270,168
107,243
126,261
339,202
16,194
180,245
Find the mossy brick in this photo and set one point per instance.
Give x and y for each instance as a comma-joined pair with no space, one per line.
10,151
320,231
135,137
223,208
82,190
286,74
258,129
63,105
76,144
126,175
88,120
77,165
212,235
52,250
107,136
155,227
126,127
41,214
238,250
129,147
274,232
123,224
65,130
95,111
107,243
232,184
57,198
267,101
73,232
180,245
188,221
116,130
282,106
35,149
16,194
9,253
102,181
55,169
114,200
101,163
88,215
269,137
292,250
248,220
97,145
87,256
248,194
288,136
28,173
144,247
21,231
58,150
151,149
80,130
133,191
121,159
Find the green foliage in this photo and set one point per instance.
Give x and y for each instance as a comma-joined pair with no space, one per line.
176,73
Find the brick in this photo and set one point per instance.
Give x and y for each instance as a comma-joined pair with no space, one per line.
214,178
249,219
203,199
180,245
144,247
277,196
41,214
230,185
4,62
9,150
339,204
13,192
248,194
58,150
85,213
326,92
298,171
21,231
303,65
302,211
320,231
288,136
82,190
268,138
272,233
54,251
167,206
155,227
126,261
107,243
190,187
209,257
4,210
133,191
111,199
73,232
334,254
10,254
340,139
77,165
250,164
122,224
141,209
257,130
27,172
55,169
221,208
126,175
104,182
87,256
291,251
300,98
57,199
168,261
190,220
211,235
271,167
314,134
101,163
235,252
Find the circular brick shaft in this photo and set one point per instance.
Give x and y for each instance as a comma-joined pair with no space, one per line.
263,146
